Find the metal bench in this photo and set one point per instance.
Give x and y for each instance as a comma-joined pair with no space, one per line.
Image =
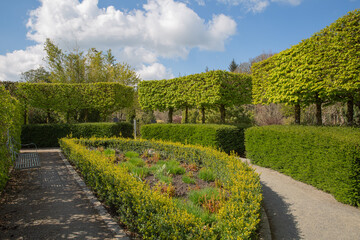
23,160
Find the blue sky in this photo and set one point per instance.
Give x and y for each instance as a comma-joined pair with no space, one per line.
160,38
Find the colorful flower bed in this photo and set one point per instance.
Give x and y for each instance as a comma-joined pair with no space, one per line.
139,179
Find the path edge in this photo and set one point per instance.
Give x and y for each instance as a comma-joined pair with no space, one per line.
265,230
105,216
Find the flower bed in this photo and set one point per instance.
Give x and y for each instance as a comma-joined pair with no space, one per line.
232,211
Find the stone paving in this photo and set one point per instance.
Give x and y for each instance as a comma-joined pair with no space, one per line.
48,203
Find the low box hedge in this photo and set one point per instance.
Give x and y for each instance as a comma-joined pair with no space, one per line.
325,157
47,135
223,137
155,215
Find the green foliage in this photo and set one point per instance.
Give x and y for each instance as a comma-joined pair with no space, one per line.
206,174
212,88
136,167
173,167
157,216
325,157
77,67
198,197
196,210
103,97
188,179
109,152
131,154
321,69
138,162
224,137
10,121
39,75
233,66
47,135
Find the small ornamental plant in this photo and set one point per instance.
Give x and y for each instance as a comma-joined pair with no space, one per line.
157,191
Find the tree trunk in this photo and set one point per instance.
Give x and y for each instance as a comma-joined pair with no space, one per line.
222,113
67,116
186,114
86,115
358,105
170,115
25,115
203,115
48,116
297,114
318,111
350,112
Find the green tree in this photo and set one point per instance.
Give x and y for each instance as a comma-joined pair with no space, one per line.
95,66
233,65
39,75
213,89
323,69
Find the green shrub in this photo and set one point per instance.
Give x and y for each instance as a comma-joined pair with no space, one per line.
157,216
325,157
10,122
188,179
206,174
196,210
138,162
173,167
224,137
47,135
131,154
109,152
198,197
141,172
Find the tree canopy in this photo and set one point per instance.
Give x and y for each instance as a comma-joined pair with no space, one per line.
78,67
61,97
209,89
324,68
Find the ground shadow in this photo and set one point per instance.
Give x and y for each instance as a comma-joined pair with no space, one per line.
282,223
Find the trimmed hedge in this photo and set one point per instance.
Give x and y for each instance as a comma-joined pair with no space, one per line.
155,215
223,137
10,120
106,97
325,157
208,89
47,135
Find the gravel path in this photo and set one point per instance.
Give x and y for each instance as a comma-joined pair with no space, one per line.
299,211
48,203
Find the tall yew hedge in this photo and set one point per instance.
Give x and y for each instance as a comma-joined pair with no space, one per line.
212,89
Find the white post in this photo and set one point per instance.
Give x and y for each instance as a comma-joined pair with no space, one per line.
134,128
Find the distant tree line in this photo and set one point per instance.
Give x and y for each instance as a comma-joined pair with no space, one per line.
78,67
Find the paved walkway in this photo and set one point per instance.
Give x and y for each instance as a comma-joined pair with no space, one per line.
48,203
299,211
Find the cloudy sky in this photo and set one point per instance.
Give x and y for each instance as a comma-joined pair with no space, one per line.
160,38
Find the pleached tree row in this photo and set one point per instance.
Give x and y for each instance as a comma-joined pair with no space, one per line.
105,98
214,89
323,69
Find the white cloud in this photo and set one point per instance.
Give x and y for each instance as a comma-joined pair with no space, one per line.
12,64
291,2
250,5
257,6
155,71
200,2
160,29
